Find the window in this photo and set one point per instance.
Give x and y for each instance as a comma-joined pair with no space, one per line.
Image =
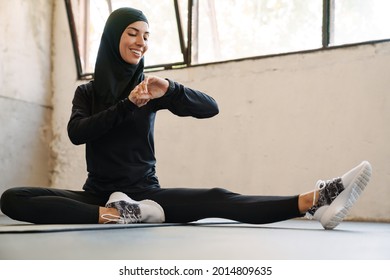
190,32
360,20
236,29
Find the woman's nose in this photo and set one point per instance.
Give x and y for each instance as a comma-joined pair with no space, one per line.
140,40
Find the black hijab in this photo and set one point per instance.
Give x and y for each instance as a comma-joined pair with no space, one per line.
114,78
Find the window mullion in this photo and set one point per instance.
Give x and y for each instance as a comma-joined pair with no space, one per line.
193,30
188,59
180,30
328,23
86,19
73,33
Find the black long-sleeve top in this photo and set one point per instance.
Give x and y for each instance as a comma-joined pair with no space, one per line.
120,140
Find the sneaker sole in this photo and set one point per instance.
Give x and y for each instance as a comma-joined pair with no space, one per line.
340,207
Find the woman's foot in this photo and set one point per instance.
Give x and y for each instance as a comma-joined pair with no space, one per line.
337,196
131,211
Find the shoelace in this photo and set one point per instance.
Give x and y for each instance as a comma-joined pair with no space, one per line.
112,218
310,213
322,184
321,200
120,220
319,185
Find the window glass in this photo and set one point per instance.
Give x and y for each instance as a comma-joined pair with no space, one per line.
98,14
360,20
230,29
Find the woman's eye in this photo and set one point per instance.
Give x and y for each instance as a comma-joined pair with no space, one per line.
135,35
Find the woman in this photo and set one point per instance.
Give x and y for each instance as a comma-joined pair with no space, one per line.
114,117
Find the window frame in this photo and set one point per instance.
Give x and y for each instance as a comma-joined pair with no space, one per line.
187,46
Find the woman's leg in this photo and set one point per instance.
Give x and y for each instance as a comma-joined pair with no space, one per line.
185,205
329,202
51,206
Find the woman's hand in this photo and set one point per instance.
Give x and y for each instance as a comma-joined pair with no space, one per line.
150,88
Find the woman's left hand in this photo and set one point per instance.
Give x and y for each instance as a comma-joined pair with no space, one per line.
150,88
155,86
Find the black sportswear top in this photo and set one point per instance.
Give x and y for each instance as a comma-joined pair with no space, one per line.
120,140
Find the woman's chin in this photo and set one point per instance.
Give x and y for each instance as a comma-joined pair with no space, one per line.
133,60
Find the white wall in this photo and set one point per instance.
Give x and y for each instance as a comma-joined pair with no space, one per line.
25,92
284,122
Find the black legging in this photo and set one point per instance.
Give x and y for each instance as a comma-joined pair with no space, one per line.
181,205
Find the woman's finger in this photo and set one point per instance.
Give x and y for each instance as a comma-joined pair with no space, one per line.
145,84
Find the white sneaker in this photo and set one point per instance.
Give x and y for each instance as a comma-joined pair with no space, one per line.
337,196
131,211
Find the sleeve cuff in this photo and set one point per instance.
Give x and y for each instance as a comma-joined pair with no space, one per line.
171,87
129,105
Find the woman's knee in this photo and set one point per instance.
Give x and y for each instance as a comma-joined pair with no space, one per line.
219,193
9,199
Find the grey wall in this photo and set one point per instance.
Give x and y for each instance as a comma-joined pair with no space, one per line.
25,93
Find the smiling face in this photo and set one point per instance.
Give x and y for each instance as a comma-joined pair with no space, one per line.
134,42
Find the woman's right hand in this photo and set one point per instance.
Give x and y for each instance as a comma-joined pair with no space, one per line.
140,95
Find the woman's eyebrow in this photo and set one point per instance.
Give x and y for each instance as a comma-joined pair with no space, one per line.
136,29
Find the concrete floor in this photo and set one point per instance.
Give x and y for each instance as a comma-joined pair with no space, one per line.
209,239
